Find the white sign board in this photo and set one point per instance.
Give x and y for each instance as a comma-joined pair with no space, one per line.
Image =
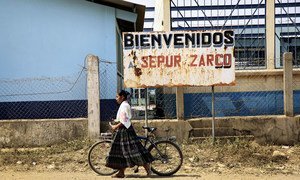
180,58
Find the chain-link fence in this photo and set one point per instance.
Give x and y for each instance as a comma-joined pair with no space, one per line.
44,98
165,103
296,93
257,92
252,95
108,88
161,103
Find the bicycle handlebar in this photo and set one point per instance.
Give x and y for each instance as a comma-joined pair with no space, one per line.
149,129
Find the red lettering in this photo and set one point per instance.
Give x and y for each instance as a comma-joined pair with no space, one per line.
192,63
210,59
227,60
202,62
218,62
145,62
152,61
160,60
177,60
169,61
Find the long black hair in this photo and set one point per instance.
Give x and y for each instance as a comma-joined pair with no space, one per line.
124,93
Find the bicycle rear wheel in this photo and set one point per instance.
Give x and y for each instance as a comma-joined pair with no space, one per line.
97,158
168,158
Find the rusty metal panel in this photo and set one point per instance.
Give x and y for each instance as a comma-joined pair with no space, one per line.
181,58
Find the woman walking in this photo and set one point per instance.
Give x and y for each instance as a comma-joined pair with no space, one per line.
126,150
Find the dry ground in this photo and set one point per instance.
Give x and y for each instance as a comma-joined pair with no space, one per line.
237,159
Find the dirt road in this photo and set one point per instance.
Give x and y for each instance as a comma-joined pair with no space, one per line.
10,175
224,160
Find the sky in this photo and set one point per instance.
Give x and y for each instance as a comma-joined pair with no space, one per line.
148,14
147,3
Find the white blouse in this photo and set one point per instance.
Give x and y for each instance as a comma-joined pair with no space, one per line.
124,114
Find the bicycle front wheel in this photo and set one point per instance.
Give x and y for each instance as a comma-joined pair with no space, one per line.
168,158
97,158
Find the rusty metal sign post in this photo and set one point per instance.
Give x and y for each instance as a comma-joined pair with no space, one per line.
213,113
179,58
146,110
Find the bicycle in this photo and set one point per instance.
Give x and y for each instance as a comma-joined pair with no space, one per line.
167,155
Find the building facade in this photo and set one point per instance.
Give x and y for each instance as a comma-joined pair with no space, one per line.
264,30
43,49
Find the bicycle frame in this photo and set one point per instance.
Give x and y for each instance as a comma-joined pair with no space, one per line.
146,139
150,143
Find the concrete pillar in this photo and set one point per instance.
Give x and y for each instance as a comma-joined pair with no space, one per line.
162,15
270,34
93,96
179,103
288,84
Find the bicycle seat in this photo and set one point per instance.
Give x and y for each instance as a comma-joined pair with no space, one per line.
150,129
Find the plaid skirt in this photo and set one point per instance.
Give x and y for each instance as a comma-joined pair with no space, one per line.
127,150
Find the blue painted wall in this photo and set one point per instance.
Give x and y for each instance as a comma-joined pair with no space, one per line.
55,109
228,104
51,38
296,102
234,104
195,105
43,45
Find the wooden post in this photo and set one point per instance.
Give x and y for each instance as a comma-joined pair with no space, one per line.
93,96
288,84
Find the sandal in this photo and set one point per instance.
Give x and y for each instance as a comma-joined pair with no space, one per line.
149,172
